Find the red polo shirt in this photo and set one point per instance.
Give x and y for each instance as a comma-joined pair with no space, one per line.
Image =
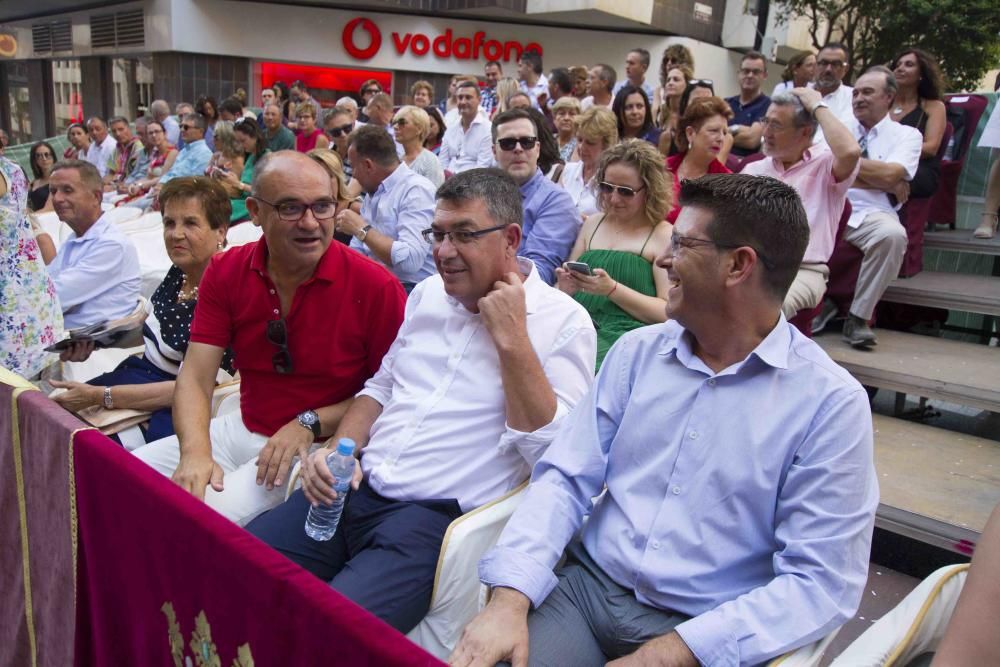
341,323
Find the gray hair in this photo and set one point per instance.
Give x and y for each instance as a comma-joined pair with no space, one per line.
339,110
607,74
89,176
118,119
891,86
492,186
195,119
347,102
801,116
160,109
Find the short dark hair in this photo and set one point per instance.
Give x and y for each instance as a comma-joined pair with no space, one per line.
232,105
560,76
511,115
89,175
374,143
493,63
607,74
837,45
467,84
213,197
533,58
756,211
618,107
492,186
298,84
754,55
643,55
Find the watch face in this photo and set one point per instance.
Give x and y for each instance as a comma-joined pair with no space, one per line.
309,418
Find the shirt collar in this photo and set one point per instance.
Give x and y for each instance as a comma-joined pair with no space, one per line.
326,270
200,142
808,155
96,230
398,175
773,350
876,129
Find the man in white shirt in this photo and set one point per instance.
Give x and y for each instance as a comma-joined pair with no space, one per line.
102,145
889,156
602,82
467,144
831,67
96,272
487,363
636,64
533,82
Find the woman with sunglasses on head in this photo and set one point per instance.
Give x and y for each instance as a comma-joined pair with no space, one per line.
701,136
238,187
618,246
412,125
79,142
195,221
635,117
43,157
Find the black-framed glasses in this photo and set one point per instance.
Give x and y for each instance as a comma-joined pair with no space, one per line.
835,64
510,143
277,334
292,211
677,241
622,190
185,126
458,236
343,129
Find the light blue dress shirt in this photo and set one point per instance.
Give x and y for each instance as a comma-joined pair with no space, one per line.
401,207
551,224
96,276
744,499
192,160
646,88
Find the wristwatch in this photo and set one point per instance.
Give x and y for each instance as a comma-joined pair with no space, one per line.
363,233
108,403
819,105
310,420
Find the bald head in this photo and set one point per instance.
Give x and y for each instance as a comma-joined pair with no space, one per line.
273,169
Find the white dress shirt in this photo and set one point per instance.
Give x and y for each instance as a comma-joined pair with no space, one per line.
443,431
541,87
99,153
463,149
841,103
887,141
96,275
581,193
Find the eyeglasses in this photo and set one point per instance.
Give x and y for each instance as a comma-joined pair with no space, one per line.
277,334
292,211
343,129
622,190
46,155
509,143
677,241
458,236
188,127
371,91
835,64
746,70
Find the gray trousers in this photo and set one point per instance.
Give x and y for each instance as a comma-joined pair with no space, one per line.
882,239
807,290
588,619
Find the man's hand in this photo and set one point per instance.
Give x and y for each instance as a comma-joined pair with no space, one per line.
349,222
78,396
808,96
499,632
195,472
275,459
664,651
504,312
317,480
78,351
902,192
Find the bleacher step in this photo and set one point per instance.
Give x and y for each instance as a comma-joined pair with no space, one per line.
935,486
961,240
952,291
947,370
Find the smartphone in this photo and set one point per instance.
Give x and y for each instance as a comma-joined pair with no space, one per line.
579,267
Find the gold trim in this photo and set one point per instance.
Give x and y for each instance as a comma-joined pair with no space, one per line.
22,509
74,526
924,608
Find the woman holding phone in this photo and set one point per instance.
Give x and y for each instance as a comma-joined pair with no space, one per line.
620,286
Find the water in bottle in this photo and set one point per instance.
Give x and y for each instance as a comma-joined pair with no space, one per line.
322,520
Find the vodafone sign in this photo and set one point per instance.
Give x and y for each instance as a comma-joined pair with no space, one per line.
445,45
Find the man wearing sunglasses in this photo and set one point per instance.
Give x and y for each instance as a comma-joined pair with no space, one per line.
487,363
192,160
551,222
398,203
308,321
735,461
338,125
467,144
277,136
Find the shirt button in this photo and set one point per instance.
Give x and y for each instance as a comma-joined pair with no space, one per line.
654,544
711,382
693,435
272,291
275,311
676,490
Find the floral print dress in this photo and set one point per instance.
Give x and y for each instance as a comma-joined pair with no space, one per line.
30,315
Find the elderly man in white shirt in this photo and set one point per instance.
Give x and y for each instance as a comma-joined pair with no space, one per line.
488,362
96,272
102,145
467,144
890,153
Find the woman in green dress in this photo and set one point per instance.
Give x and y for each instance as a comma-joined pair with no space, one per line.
620,243
250,136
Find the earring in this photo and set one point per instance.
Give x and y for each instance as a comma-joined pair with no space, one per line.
219,245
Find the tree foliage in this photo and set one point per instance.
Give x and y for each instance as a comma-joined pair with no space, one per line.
964,35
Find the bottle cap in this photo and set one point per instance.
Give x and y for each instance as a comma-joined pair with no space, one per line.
345,447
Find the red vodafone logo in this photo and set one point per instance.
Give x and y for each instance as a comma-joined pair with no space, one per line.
374,34
444,45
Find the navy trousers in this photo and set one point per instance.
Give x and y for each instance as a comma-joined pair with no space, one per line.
136,370
383,555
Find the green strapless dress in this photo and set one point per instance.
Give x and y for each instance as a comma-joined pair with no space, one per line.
611,321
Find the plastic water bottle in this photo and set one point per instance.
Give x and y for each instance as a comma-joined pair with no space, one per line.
322,520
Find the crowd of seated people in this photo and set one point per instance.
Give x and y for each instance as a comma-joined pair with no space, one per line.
469,265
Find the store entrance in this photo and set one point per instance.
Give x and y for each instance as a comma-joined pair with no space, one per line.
325,84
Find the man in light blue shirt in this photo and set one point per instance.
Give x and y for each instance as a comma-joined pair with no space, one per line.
636,64
192,160
551,222
398,205
741,491
96,272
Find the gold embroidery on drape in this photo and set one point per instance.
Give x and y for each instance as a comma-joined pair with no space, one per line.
205,652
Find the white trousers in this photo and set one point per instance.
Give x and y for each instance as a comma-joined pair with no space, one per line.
235,449
807,290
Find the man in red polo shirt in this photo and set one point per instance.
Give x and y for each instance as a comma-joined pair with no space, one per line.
308,320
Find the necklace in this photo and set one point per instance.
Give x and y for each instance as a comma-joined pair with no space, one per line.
185,294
